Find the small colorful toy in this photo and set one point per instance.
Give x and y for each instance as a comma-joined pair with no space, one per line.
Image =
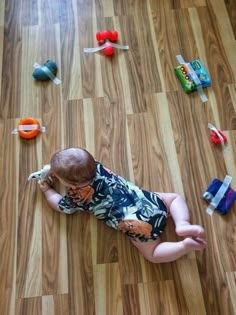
28,128
217,137
46,72
107,40
220,196
193,76
41,175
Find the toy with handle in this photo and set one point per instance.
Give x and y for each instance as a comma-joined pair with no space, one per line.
107,40
41,175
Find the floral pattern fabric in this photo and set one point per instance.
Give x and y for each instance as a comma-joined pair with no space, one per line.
121,204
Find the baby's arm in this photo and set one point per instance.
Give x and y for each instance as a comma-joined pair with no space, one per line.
52,196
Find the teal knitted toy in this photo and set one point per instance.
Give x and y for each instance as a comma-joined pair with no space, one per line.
46,72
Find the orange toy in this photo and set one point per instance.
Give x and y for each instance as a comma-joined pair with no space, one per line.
28,132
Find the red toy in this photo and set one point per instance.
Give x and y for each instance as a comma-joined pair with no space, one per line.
217,136
106,35
107,42
108,50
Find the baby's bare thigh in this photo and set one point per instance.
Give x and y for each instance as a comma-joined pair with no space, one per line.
167,198
147,248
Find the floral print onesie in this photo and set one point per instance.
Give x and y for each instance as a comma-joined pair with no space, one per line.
122,205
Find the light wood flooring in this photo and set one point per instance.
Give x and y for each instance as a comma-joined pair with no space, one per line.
132,114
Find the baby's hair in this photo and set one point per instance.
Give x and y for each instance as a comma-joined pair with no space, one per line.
73,165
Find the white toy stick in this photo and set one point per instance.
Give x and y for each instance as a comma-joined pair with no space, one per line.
95,49
41,175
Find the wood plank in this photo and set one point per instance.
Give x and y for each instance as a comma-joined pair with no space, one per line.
218,9
55,304
105,9
189,3
164,33
213,278
149,64
70,58
1,54
29,306
30,88
130,65
231,280
137,124
9,170
90,63
130,261
80,265
193,292
217,59
231,9
74,124
55,263
159,114
101,116
108,289
10,90
30,11
48,12
131,300
158,298
2,13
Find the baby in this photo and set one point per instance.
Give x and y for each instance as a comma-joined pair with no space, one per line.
140,214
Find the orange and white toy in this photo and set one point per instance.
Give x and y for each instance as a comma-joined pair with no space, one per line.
28,128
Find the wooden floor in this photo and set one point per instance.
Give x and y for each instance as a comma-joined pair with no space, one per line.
132,114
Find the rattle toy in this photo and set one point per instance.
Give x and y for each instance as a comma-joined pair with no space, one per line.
28,128
192,76
220,196
46,72
41,175
106,39
217,136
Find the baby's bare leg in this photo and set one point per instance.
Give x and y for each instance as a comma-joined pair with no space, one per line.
157,252
180,214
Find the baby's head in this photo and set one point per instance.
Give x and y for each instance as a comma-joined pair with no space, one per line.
73,166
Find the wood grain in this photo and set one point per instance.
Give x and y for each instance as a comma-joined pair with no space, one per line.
130,112
108,289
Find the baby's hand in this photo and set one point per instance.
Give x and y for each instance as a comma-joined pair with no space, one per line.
51,180
44,186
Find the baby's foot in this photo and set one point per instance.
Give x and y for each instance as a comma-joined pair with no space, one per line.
187,229
194,244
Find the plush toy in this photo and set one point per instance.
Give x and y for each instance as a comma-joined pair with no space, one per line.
42,175
220,196
46,72
193,76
